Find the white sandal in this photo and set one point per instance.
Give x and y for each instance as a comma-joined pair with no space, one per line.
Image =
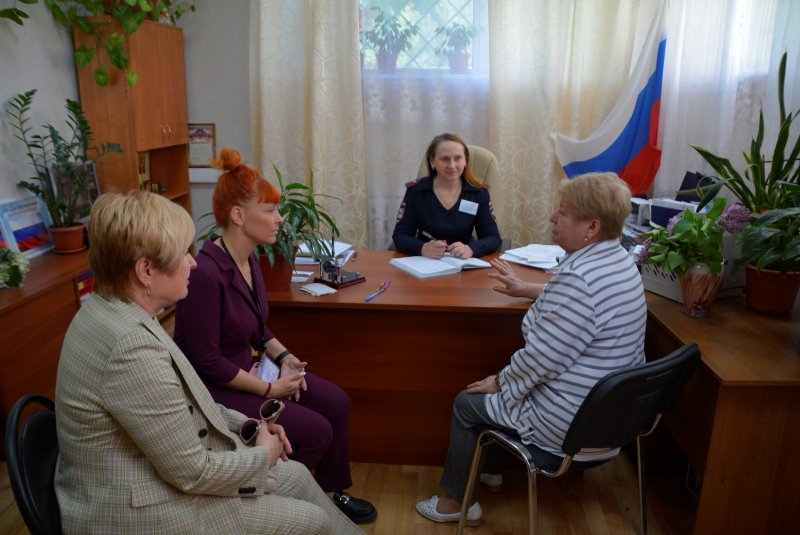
427,508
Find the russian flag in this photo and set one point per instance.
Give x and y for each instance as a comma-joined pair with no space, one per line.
627,140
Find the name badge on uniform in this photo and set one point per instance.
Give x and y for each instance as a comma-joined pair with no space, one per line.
468,207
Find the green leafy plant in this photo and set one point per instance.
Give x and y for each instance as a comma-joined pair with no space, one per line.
759,188
772,241
389,33
456,38
304,221
63,167
689,239
128,14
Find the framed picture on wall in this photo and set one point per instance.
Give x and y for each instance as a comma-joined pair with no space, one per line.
24,223
202,145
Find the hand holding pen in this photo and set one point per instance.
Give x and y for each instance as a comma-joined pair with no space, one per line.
433,248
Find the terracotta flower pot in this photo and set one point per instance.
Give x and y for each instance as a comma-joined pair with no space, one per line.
769,291
700,289
277,277
67,240
459,62
387,63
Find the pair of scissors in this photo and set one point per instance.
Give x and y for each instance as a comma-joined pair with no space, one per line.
382,288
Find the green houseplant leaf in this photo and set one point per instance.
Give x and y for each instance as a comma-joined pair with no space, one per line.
304,221
456,38
127,14
63,174
390,33
763,184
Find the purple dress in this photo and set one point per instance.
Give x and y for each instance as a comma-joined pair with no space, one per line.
216,327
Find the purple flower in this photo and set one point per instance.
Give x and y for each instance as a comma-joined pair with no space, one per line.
734,218
672,222
644,252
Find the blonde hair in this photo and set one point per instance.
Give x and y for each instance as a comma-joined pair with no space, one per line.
601,196
126,227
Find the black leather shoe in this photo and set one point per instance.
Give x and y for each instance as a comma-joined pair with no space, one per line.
358,510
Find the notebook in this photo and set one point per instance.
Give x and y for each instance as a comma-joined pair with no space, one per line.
423,267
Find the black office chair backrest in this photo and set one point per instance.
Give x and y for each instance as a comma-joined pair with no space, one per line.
32,454
626,403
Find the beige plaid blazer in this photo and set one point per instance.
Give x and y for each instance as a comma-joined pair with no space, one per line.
143,446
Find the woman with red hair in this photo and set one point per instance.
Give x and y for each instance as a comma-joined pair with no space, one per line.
222,328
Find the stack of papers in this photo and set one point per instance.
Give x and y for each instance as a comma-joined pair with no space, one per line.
316,289
535,255
304,253
423,267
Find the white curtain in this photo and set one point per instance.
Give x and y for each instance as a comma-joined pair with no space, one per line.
554,65
306,102
721,64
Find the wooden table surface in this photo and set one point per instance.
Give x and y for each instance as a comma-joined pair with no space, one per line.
403,356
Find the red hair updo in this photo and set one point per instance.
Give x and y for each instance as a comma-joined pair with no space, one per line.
239,185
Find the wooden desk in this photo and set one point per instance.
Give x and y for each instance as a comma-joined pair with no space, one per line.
738,420
403,356
34,320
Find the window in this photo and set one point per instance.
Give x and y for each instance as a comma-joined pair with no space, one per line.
416,30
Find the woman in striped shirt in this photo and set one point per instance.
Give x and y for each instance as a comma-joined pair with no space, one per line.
587,321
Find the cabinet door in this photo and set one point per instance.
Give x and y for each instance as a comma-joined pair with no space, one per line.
173,77
159,97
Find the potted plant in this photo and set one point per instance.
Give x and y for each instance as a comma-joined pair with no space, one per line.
388,36
304,221
771,254
86,15
456,41
765,185
691,247
63,166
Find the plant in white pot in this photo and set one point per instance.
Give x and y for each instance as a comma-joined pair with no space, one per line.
63,166
456,42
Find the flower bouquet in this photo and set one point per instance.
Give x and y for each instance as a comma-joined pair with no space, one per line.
13,267
690,246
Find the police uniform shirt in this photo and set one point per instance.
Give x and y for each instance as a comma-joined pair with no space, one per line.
421,211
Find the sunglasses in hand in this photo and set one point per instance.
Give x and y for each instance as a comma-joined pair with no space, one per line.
268,413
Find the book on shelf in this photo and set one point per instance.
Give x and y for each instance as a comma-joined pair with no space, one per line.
423,267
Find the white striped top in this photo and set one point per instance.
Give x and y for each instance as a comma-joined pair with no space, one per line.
588,321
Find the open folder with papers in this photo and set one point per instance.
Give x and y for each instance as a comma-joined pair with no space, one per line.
535,255
423,267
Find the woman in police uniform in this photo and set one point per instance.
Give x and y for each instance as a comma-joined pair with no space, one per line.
440,212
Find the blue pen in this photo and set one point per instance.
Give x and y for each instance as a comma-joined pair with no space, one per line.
382,288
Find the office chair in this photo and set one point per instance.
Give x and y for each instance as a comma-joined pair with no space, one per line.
623,406
32,455
482,161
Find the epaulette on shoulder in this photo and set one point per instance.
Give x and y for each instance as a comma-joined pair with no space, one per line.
412,183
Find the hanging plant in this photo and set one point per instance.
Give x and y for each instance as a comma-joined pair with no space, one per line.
84,15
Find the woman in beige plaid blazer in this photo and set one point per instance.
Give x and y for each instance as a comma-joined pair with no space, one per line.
143,447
